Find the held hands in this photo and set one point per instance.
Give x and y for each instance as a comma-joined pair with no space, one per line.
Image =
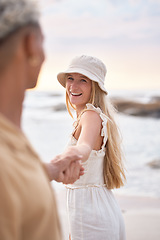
65,167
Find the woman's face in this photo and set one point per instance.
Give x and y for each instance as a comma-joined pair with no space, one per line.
79,89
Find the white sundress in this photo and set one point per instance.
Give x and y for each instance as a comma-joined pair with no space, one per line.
93,211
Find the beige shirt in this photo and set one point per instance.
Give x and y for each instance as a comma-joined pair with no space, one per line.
27,204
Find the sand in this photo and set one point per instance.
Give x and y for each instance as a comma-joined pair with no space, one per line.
141,216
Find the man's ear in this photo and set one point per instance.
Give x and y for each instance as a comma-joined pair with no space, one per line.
31,48
30,44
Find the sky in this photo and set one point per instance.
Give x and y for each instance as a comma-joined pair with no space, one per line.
124,34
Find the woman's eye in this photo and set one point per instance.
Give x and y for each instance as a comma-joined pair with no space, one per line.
70,78
83,80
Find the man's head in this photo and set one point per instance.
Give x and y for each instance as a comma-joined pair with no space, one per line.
15,14
21,38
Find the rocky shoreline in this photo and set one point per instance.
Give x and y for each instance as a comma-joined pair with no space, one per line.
138,108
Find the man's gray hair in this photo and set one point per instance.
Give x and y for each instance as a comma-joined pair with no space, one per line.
15,14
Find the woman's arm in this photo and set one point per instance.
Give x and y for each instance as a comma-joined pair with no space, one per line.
90,134
64,167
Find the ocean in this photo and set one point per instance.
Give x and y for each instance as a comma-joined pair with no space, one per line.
48,125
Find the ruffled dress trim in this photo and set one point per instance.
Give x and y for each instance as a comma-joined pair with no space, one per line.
104,118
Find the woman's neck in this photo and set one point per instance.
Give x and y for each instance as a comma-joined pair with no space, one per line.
79,110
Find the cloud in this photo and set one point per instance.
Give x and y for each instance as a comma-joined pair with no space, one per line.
70,25
103,17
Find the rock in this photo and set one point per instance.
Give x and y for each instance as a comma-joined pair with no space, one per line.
60,107
154,164
136,108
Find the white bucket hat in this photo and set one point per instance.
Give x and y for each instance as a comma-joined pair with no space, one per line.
88,66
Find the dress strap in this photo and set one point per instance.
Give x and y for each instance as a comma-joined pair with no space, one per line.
104,118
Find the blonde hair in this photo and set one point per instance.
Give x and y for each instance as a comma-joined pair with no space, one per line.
114,175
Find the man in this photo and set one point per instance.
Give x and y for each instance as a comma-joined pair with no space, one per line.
27,204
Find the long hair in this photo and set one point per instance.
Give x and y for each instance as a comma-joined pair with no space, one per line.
114,174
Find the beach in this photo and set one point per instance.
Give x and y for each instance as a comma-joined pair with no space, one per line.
141,216
47,124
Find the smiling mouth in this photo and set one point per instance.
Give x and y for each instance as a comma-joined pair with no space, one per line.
76,94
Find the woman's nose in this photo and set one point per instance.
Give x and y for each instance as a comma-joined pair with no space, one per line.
74,84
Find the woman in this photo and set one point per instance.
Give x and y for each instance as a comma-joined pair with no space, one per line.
93,211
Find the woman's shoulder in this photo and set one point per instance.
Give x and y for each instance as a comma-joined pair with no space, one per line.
91,114
96,111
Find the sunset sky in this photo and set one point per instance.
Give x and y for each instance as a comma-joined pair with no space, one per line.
125,35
